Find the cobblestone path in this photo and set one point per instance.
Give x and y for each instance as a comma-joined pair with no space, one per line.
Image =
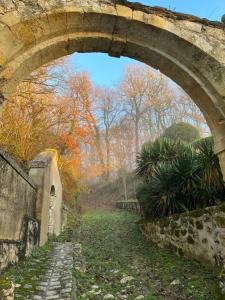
47,274
57,282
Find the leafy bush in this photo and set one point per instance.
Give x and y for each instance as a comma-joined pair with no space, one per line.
182,131
178,177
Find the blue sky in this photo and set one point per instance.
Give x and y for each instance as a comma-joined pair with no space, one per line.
105,70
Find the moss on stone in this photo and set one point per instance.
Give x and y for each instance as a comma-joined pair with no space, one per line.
209,230
176,217
173,229
191,222
190,240
177,232
184,222
220,221
162,231
196,213
190,230
172,247
180,252
221,207
5,284
165,222
206,218
183,231
199,225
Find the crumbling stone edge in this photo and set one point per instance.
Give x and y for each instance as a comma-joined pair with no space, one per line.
169,13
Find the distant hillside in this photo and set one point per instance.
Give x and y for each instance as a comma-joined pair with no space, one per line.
104,196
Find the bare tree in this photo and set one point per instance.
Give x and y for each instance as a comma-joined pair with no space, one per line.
146,96
108,112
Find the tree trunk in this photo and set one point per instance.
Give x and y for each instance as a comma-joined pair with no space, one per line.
107,144
124,177
98,146
136,136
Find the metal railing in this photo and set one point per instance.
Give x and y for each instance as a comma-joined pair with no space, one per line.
131,205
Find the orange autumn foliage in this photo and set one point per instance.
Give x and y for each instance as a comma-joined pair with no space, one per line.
36,118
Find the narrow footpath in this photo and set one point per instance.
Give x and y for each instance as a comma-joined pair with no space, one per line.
57,281
47,275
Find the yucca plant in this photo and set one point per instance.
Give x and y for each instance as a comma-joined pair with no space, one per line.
209,163
186,174
160,197
179,177
152,154
211,175
145,161
164,191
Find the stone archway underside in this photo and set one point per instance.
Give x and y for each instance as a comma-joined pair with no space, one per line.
187,49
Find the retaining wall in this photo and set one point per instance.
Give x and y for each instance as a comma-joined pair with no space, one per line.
19,231
17,198
199,234
12,250
30,205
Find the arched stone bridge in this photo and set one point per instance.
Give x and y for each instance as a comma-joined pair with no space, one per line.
189,50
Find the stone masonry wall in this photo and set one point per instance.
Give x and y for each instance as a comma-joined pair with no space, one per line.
198,234
12,251
17,198
19,231
45,172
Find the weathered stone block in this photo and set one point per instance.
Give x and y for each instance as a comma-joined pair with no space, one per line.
194,234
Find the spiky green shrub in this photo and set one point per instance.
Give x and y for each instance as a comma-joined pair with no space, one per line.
210,172
178,177
152,154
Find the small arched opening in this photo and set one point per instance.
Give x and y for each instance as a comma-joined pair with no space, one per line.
52,191
51,214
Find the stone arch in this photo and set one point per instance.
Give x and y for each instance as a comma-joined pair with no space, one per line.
188,50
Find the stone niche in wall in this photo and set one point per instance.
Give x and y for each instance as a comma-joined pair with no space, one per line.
198,234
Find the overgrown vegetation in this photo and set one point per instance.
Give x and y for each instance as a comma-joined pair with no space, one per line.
178,176
114,249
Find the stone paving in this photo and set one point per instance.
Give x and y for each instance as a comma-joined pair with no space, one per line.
57,281
46,275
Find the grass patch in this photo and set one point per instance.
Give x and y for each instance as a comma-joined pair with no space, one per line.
114,248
